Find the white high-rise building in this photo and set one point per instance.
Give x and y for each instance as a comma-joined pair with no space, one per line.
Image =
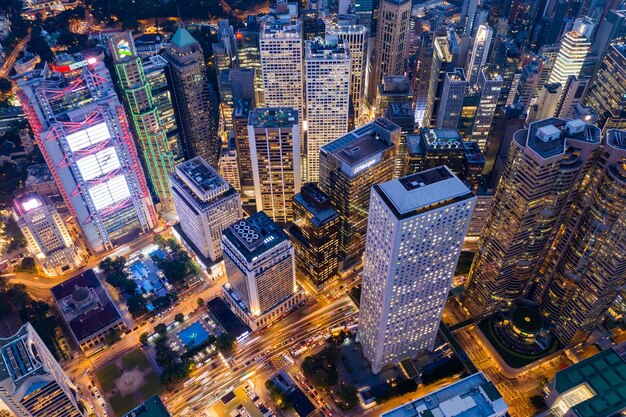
274,139
281,64
46,235
327,97
32,383
572,52
206,205
415,231
356,37
478,57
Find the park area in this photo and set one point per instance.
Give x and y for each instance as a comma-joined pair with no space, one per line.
128,381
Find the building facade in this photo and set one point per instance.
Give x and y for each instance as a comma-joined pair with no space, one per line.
32,383
85,139
349,167
275,149
159,159
327,75
206,205
46,236
415,231
315,236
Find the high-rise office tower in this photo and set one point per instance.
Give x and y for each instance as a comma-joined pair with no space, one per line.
445,50
349,166
489,85
392,42
312,25
281,65
607,91
546,165
155,70
225,50
392,89
402,114
356,37
572,95
436,147
32,383
234,83
228,165
327,77
507,58
572,52
414,235
84,136
468,14
315,236
192,98
206,205
546,104
46,236
275,148
241,112
421,77
159,159
452,96
260,266
249,54
528,82
364,10
588,265
478,58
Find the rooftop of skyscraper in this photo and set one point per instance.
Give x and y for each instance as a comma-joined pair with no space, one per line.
362,148
457,75
273,117
547,137
18,359
435,140
424,190
255,235
617,138
474,396
199,173
241,107
317,203
281,29
343,28
328,49
473,154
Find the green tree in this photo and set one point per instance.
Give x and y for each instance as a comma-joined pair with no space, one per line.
161,329
179,317
278,396
27,265
159,241
200,302
112,336
347,396
143,339
6,87
538,401
225,342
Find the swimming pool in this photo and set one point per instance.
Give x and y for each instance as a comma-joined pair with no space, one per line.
158,253
193,335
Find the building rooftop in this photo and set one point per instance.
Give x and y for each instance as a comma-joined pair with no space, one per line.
273,117
328,49
435,140
85,315
182,38
255,235
424,190
363,147
281,29
201,174
17,359
28,201
474,396
241,107
153,407
317,203
600,381
473,154
547,137
617,138
400,109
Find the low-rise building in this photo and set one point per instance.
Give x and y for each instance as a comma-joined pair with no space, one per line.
87,310
152,407
474,396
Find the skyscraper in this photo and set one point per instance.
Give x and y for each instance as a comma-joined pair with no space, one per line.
588,266
83,134
572,95
249,54
545,168
327,97
234,83
349,167
607,91
444,51
356,37
281,65
489,85
159,159
364,9
274,138
260,267
414,235
478,58
315,236
192,98
241,112
452,96
46,236
572,52
32,383
391,41
206,205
